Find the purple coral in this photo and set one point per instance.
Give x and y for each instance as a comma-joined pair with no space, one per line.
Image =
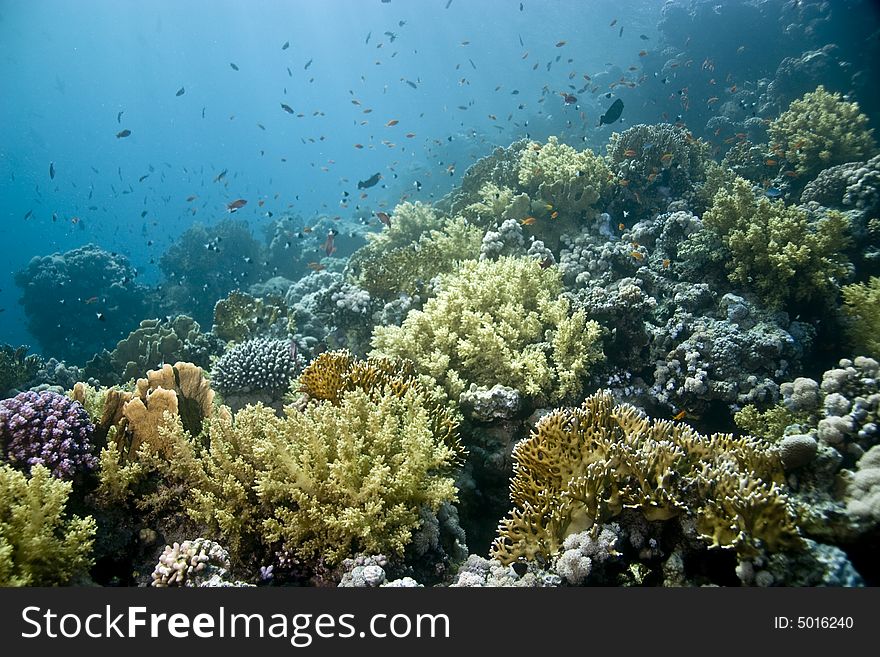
45,428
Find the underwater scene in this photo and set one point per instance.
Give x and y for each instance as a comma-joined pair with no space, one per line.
440,293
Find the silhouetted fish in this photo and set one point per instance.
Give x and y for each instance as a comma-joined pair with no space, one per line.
123,133
613,113
180,92
51,170
286,45
236,205
369,182
287,108
233,66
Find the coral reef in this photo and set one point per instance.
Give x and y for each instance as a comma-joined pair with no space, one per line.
40,544
821,130
154,343
581,467
658,162
198,563
48,429
569,180
81,301
259,370
207,263
498,322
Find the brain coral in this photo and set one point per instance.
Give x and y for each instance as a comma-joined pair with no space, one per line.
498,321
45,428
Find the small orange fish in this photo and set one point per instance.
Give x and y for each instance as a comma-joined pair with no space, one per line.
629,152
771,163
621,226
316,266
307,229
652,177
528,221
237,204
666,263
555,214
637,255
791,174
392,122
680,415
384,218
733,89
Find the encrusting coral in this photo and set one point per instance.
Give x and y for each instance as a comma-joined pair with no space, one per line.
40,545
498,321
820,130
584,465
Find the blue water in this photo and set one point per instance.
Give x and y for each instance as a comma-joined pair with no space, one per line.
69,68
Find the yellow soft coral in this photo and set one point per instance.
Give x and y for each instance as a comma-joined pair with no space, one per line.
568,179
820,130
498,322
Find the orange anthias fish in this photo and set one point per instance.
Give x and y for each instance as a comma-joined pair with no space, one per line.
236,205
391,123
528,221
680,415
316,266
629,152
384,218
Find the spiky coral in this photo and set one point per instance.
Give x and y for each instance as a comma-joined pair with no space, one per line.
820,130
582,466
39,544
499,322
776,250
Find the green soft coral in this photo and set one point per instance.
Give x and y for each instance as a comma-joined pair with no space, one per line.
569,180
776,250
40,544
861,304
820,130
498,322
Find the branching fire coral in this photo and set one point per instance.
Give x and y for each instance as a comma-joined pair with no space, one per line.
583,466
